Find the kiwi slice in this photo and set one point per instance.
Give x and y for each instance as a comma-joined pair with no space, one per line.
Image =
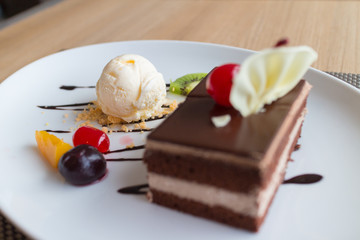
185,84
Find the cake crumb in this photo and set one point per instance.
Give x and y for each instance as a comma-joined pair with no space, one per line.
66,115
130,145
124,128
142,125
173,105
94,113
105,129
86,123
64,121
149,196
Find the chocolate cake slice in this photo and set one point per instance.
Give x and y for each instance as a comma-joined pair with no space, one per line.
228,174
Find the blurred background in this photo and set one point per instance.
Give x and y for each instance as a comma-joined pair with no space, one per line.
12,11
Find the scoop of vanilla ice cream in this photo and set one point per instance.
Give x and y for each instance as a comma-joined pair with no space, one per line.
130,88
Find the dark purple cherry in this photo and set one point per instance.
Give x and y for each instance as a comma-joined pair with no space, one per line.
82,165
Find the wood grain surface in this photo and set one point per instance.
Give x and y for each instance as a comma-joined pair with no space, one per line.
330,27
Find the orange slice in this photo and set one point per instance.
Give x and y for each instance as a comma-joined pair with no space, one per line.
51,147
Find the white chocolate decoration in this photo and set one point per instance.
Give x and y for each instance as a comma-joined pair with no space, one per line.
221,121
268,75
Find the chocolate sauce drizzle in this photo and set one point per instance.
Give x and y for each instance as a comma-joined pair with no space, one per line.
57,131
304,179
123,159
66,106
149,119
71,87
137,189
114,131
126,149
135,130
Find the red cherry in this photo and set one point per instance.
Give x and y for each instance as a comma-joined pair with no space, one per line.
92,136
219,83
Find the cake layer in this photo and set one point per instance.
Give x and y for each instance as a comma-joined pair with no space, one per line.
253,204
215,213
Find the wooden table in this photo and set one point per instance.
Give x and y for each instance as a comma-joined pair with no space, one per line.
330,27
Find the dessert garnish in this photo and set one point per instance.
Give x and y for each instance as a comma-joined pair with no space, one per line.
92,136
269,75
221,121
82,165
51,147
220,81
131,89
262,78
183,85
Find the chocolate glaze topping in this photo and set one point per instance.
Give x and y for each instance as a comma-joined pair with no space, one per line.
249,137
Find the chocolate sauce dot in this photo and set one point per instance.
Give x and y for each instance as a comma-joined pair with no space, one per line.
304,179
137,189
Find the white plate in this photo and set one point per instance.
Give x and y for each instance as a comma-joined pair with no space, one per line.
38,201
